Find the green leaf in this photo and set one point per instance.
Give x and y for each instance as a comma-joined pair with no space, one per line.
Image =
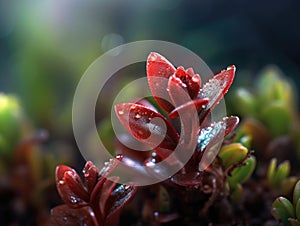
271,172
232,153
245,102
296,193
243,173
297,210
276,176
266,82
282,210
288,184
283,170
277,117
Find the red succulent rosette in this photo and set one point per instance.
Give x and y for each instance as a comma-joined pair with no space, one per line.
183,91
96,202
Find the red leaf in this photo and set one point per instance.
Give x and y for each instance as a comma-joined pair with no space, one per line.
134,155
199,104
215,133
191,81
107,189
90,172
216,88
147,125
195,81
183,89
159,67
231,124
178,91
104,173
118,198
64,216
70,187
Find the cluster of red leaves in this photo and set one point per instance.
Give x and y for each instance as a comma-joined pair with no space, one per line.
182,91
98,203
175,90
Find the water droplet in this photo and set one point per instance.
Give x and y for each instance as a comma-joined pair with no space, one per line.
152,57
231,67
121,112
69,173
119,157
61,182
196,78
106,163
137,116
133,107
74,199
126,187
65,218
207,134
149,164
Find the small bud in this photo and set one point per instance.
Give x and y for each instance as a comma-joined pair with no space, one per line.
232,153
242,174
282,210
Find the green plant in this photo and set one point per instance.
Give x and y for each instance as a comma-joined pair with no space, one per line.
192,194
286,212
272,102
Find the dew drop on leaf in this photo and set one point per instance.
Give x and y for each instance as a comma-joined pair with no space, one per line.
74,199
207,134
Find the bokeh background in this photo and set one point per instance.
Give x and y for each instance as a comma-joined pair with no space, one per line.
45,46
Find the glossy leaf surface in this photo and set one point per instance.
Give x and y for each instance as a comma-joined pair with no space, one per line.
147,125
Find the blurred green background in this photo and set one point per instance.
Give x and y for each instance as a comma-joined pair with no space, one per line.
45,46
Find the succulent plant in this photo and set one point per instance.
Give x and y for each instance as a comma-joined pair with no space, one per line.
97,203
233,165
236,187
287,212
278,176
179,83
272,102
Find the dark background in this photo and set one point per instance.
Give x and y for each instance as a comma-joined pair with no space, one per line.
45,46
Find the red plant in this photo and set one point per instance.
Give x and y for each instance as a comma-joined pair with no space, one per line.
177,91
98,203
182,91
